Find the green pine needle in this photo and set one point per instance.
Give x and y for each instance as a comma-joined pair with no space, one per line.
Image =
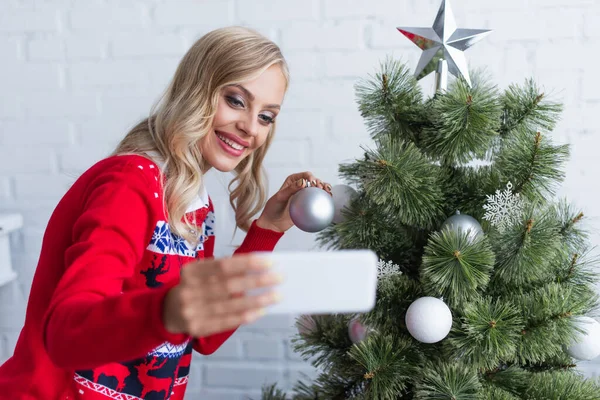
489,333
528,107
272,392
494,393
533,164
367,226
389,364
562,386
509,381
525,250
549,326
465,122
448,381
391,102
398,178
328,344
456,267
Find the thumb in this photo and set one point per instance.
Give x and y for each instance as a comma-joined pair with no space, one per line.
287,192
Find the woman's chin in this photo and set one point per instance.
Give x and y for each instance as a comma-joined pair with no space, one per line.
224,164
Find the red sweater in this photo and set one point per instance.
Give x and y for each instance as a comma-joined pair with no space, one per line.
93,328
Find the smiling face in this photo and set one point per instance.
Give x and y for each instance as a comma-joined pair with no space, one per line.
244,118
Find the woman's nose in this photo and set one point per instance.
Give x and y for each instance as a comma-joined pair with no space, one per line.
249,125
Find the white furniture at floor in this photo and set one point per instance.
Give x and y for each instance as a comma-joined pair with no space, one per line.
8,223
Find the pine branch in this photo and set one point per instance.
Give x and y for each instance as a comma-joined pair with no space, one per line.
271,392
456,267
578,270
466,188
547,312
391,102
399,179
331,386
327,345
368,226
394,295
524,251
389,362
527,107
489,333
561,386
465,121
562,362
494,393
573,230
448,381
509,382
532,164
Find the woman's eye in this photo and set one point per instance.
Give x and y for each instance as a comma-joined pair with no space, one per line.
234,101
266,118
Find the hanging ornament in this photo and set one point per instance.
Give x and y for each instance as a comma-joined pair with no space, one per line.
387,268
587,345
358,331
428,320
443,41
342,196
463,223
306,324
311,209
504,208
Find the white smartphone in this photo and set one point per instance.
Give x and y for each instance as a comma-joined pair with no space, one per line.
324,282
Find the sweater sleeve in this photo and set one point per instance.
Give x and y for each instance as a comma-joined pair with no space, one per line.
90,321
257,239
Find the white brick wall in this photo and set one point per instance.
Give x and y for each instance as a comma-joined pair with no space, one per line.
76,74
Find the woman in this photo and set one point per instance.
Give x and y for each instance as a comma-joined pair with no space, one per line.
126,287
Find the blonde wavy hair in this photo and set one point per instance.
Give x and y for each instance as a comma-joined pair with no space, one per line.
185,113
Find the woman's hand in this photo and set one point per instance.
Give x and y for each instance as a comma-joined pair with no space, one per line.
210,298
276,214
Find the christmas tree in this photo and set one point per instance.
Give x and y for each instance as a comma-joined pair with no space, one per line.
486,278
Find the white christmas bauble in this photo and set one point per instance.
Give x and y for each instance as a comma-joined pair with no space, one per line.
357,331
428,319
586,346
342,195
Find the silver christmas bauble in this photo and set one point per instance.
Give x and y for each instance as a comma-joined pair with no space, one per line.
342,196
463,223
358,331
311,209
587,345
428,320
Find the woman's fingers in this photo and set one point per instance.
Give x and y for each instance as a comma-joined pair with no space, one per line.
240,284
199,272
217,316
294,178
243,304
212,294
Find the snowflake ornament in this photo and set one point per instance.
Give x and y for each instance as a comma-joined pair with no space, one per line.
504,208
387,268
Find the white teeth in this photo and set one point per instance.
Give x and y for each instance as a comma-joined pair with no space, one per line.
231,143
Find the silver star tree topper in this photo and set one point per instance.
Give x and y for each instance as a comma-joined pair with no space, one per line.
443,43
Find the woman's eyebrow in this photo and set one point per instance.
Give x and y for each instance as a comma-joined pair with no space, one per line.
252,97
